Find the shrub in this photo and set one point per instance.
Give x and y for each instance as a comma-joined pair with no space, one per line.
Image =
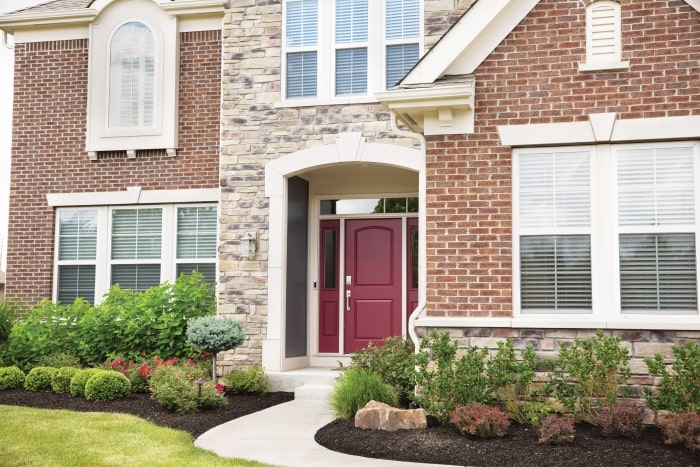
534,411
445,382
60,360
11,377
556,430
622,421
214,334
589,373
480,420
126,323
355,388
682,428
250,381
393,361
9,314
78,381
679,389
107,386
61,378
39,378
175,388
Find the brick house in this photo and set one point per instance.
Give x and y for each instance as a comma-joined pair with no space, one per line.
501,168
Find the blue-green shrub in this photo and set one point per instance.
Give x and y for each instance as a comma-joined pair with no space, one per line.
61,378
39,378
214,333
11,377
107,386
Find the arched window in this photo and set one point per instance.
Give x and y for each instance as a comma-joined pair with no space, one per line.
132,54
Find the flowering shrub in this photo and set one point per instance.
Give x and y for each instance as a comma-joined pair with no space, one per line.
11,377
60,380
623,421
107,385
682,428
250,381
556,430
480,420
39,378
175,388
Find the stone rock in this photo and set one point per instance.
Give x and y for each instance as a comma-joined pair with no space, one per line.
379,416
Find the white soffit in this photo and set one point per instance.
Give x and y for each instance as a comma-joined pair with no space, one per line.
485,25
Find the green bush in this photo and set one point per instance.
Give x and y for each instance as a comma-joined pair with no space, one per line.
11,377
250,381
60,360
446,381
175,388
355,388
9,314
106,386
60,380
679,389
393,361
39,378
78,381
588,374
126,323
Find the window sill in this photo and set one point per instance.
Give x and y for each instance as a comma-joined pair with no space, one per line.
603,66
315,102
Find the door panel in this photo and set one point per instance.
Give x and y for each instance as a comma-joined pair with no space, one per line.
373,262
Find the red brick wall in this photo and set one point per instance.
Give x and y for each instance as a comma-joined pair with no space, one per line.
532,77
48,148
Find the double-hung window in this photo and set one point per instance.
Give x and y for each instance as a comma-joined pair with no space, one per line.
345,49
135,247
554,243
657,230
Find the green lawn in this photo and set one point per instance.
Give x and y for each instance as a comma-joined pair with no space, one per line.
63,438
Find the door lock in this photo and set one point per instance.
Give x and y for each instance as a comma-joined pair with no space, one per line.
347,300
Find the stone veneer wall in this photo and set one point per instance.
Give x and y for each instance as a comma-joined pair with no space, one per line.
256,131
546,342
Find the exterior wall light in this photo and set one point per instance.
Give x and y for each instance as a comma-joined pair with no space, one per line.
248,245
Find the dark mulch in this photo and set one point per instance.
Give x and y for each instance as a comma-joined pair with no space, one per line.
143,406
446,445
436,444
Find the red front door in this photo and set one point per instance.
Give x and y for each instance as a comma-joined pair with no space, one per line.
373,291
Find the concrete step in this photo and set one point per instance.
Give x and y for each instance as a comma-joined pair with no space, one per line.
313,392
290,380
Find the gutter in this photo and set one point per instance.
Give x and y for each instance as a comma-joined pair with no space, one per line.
422,274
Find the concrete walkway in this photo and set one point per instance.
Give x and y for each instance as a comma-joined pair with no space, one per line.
284,435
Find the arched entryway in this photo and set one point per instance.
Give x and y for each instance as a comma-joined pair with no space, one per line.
306,190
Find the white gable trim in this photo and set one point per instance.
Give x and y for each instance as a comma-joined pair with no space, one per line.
694,3
471,39
601,128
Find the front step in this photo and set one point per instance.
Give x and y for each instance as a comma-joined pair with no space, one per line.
306,383
313,392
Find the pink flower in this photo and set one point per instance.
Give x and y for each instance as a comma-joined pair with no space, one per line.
219,388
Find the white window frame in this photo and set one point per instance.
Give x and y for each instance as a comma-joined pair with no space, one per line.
518,231
607,61
605,231
103,262
376,56
163,133
655,229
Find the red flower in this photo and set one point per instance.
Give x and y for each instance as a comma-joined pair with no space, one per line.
219,388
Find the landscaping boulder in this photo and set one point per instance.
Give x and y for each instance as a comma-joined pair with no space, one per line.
380,416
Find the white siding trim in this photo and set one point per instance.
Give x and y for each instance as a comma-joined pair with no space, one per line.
133,195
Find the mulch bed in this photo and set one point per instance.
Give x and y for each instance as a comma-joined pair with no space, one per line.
446,445
436,444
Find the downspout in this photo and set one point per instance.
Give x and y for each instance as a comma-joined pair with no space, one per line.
422,274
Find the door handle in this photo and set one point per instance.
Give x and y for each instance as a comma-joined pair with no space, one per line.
347,300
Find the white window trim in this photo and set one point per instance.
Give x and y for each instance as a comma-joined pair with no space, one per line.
606,312
103,261
163,135
376,56
605,63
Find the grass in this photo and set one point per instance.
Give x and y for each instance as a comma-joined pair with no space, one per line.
31,437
